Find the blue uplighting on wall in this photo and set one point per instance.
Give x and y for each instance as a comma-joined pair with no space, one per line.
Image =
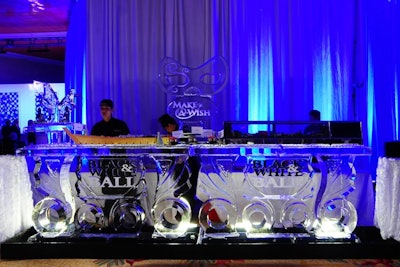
84,92
75,58
260,75
322,81
261,87
396,104
371,98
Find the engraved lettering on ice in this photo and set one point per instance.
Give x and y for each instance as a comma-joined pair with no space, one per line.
114,173
187,110
276,174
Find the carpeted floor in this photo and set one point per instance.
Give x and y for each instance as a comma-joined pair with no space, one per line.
200,263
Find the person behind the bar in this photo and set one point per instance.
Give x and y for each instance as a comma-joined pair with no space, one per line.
168,123
31,136
109,126
10,138
313,128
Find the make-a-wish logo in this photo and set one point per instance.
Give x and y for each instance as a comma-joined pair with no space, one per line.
277,167
113,173
184,110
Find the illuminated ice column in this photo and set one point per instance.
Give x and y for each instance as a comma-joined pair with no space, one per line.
336,216
54,205
219,212
171,211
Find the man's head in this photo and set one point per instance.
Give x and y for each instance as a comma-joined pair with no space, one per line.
168,123
315,115
106,108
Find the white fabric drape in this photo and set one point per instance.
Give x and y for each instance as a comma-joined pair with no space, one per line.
15,197
387,205
285,58
128,39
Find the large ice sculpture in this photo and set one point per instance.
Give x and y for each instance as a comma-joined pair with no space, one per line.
97,190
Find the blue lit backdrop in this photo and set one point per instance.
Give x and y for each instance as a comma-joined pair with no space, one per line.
285,57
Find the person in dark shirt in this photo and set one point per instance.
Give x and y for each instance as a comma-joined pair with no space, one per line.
314,128
17,130
10,138
168,123
31,137
109,126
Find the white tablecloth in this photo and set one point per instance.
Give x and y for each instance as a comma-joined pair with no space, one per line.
16,202
387,205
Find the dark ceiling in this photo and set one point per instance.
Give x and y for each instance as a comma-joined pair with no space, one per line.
34,27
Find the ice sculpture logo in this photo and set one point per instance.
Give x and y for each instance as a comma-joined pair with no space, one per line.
277,168
113,173
191,89
283,177
186,110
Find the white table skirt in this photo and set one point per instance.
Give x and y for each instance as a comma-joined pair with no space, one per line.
16,202
387,205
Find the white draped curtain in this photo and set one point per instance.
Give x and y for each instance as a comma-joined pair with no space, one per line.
285,58
15,197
